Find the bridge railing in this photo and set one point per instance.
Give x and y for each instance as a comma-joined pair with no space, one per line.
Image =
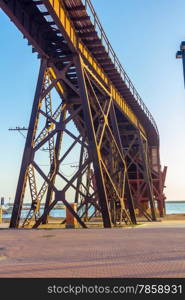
105,42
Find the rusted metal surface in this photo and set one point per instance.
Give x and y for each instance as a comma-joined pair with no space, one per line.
114,126
44,35
93,36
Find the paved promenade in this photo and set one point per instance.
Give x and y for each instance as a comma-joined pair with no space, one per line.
151,250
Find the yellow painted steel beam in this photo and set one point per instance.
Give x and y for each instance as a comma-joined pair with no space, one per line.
53,76
66,23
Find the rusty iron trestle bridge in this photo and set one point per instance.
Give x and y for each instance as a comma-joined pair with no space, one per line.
117,142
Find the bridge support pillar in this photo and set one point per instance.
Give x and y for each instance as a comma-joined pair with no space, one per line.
28,151
147,175
88,106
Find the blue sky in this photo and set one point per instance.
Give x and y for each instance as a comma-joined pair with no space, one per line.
145,35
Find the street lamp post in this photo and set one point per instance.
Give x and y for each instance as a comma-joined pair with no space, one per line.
181,54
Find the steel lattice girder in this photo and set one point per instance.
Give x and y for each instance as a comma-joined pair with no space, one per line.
97,126
74,86
94,116
136,150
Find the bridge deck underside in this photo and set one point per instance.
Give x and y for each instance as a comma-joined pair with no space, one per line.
41,30
88,32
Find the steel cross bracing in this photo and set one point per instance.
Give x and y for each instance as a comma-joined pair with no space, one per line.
93,114
49,24
112,134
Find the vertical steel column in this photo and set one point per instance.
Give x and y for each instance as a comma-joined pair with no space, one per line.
130,200
55,165
160,200
28,150
95,152
127,185
147,176
79,177
88,182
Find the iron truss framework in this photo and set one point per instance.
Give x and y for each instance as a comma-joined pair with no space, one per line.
80,110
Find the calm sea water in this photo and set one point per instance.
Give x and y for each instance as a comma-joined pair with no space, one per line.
171,208
54,213
175,207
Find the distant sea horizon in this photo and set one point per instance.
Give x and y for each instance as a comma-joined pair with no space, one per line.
175,207
175,201
172,207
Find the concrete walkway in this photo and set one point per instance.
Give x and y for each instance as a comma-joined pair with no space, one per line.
143,251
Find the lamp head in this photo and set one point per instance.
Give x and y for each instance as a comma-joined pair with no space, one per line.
179,54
